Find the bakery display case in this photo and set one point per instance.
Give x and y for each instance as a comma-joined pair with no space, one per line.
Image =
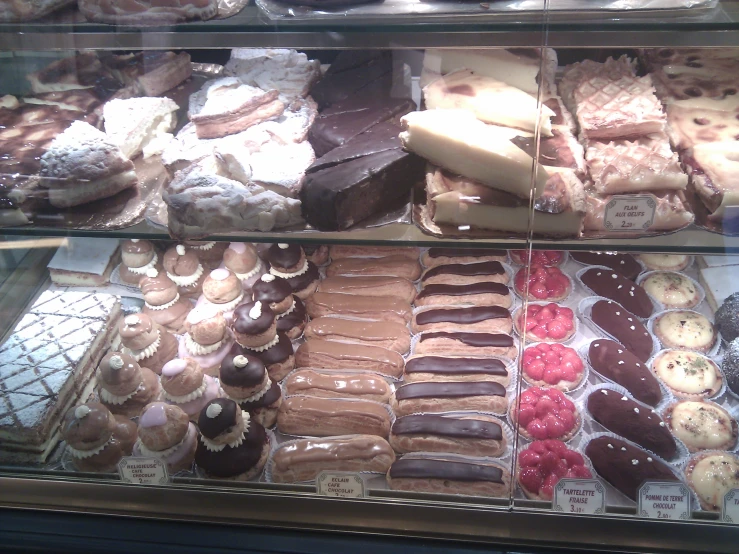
455,271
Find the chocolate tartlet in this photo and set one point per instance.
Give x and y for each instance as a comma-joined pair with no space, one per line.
626,466
625,264
621,415
613,361
610,284
624,326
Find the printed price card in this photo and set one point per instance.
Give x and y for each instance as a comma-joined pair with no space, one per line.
579,496
340,484
730,509
143,471
664,500
629,213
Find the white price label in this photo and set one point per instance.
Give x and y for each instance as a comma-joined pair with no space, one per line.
730,509
143,471
579,496
664,500
629,213
340,484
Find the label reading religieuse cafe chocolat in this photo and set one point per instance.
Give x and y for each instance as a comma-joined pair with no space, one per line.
340,484
143,471
629,213
664,500
579,496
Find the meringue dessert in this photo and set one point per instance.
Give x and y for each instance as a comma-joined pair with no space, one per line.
185,385
123,386
231,445
147,342
162,301
165,432
185,270
207,339
96,439
137,257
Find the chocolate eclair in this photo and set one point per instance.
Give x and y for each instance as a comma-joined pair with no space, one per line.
386,334
466,344
618,288
374,308
491,319
485,294
624,326
449,475
376,285
615,362
442,256
231,445
470,435
434,397
622,415
324,354
451,368
392,266
465,274
324,417
337,384
624,264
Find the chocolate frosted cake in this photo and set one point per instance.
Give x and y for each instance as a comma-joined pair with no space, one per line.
621,415
624,327
613,361
626,466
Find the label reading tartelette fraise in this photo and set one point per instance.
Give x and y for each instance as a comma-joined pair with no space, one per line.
579,496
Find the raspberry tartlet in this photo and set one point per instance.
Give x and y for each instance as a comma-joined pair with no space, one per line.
545,413
545,322
552,364
544,463
544,283
547,258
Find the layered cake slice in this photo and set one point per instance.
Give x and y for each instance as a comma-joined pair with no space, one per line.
84,262
713,175
150,73
140,125
46,366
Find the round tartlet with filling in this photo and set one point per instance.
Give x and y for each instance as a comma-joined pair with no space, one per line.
702,425
688,374
670,262
672,289
685,329
711,475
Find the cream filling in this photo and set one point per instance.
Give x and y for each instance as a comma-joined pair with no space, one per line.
198,349
164,306
197,393
257,269
186,280
139,355
289,310
82,454
111,398
264,347
206,246
213,447
302,270
230,306
160,453
256,396
144,268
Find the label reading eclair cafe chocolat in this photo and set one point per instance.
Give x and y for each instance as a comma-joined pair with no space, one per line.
143,471
632,212
664,500
579,496
340,484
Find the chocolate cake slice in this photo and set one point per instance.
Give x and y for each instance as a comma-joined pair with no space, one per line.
626,466
614,361
351,76
623,416
624,326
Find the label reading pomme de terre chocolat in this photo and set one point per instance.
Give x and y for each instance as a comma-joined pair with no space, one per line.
629,213
579,496
143,471
664,500
340,484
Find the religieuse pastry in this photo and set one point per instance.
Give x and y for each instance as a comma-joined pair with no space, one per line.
123,386
242,259
223,290
289,262
185,385
207,339
245,380
96,439
184,269
210,252
288,308
137,257
255,326
149,343
162,301
232,445
165,432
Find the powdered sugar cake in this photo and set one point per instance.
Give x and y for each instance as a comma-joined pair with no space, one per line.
642,164
610,101
47,365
